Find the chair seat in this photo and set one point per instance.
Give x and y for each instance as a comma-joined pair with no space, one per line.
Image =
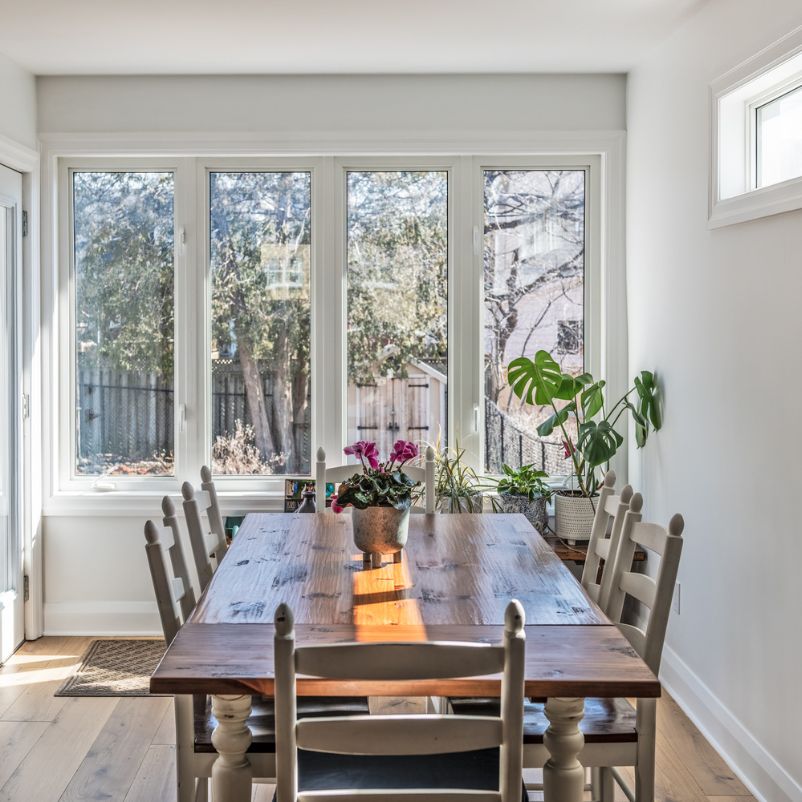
322,771
605,720
262,721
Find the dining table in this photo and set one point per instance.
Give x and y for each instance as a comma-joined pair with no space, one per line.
452,582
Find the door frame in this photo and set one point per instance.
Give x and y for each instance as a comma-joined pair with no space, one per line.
25,160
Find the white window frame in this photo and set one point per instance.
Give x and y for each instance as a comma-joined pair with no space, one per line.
191,158
200,402
68,480
734,196
592,302
338,330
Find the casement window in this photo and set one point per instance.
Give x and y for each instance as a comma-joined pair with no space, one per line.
241,312
757,136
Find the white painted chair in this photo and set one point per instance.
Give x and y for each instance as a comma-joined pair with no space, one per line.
340,473
194,722
605,537
409,757
208,545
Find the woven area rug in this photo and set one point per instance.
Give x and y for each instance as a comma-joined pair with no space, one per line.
115,668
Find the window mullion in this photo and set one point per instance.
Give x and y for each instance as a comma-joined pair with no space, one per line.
190,317
465,341
329,310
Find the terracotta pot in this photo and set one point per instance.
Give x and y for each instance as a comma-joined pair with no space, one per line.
380,530
573,516
535,510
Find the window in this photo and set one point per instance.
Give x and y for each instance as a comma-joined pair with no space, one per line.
397,243
778,125
534,298
757,136
123,330
241,312
260,247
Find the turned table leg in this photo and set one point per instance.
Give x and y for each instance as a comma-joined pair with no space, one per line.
563,775
231,772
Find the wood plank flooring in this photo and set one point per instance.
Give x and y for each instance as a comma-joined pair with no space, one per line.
122,750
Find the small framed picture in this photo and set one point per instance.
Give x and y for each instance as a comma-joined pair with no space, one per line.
294,492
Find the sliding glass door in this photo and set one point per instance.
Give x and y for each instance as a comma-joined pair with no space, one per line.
11,579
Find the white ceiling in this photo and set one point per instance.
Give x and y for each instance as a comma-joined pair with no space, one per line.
61,37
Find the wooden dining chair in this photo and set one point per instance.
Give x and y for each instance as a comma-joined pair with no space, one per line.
605,537
194,722
654,594
414,757
208,546
340,473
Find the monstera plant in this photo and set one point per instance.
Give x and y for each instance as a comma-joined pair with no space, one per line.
597,438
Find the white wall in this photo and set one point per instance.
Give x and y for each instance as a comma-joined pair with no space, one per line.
17,103
716,312
252,104
96,576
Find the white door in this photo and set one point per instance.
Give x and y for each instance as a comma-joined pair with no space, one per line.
11,569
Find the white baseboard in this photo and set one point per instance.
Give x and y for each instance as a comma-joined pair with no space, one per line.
755,766
102,618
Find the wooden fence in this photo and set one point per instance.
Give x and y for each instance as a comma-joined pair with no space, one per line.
131,415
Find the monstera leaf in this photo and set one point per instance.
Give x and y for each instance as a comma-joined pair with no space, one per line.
536,381
648,407
592,399
598,442
557,419
540,381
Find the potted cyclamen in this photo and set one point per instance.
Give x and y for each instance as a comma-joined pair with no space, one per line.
381,496
587,428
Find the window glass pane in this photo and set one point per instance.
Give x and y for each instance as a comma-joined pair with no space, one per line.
534,274
123,252
261,264
779,139
397,306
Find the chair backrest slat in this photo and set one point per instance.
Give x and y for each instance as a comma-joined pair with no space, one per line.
397,735
410,661
655,593
400,735
610,507
424,794
636,637
650,536
640,587
339,473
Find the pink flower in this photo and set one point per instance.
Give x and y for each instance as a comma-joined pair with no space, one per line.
365,450
403,451
335,507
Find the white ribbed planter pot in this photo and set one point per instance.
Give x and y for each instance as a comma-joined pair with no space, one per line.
573,517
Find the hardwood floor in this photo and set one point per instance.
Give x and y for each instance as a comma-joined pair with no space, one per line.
122,749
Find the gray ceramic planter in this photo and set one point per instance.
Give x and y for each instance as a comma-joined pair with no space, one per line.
535,511
473,503
380,530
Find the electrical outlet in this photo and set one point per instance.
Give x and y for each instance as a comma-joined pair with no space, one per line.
675,601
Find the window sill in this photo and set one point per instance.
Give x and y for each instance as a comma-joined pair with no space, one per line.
144,503
776,199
